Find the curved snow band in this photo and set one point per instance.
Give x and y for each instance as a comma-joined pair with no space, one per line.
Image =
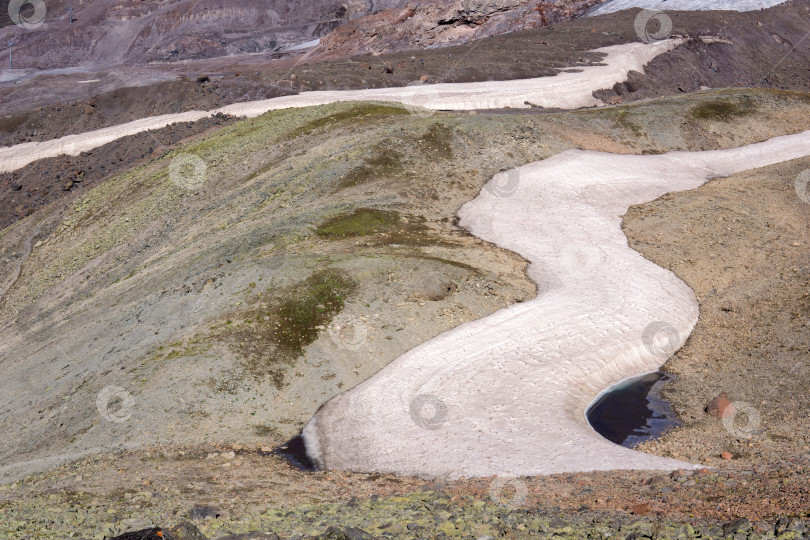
565,90
507,394
612,6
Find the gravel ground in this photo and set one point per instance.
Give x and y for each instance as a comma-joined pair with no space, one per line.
741,244
235,489
756,49
118,491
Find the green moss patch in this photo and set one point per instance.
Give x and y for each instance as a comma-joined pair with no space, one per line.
383,160
273,333
313,303
361,222
357,113
438,141
722,110
11,123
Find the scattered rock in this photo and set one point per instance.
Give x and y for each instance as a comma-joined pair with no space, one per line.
198,512
184,531
250,536
88,109
720,406
68,185
349,533
680,473
154,533
657,480
640,509
435,287
203,79
735,526
726,455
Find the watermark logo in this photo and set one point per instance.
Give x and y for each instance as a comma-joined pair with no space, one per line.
348,332
188,171
661,339
743,421
416,97
582,259
115,404
428,412
30,14
510,492
504,184
802,185
652,25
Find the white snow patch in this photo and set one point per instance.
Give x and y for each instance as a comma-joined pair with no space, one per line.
684,5
514,386
306,45
564,90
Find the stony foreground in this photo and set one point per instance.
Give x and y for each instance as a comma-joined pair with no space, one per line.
222,491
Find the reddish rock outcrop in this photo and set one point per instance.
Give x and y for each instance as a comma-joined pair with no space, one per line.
421,25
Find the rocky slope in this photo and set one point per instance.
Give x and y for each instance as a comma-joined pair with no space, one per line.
104,33
200,311
163,305
755,49
422,25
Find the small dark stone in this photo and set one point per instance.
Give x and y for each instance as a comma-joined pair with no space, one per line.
657,480
203,79
782,525
353,533
733,526
250,536
184,531
203,512
155,533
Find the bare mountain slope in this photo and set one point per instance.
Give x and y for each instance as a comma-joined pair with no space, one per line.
105,33
422,25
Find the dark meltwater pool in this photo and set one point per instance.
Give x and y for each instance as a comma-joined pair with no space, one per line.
633,411
295,452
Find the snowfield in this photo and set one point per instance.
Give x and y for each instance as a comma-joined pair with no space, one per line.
684,5
507,394
566,90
